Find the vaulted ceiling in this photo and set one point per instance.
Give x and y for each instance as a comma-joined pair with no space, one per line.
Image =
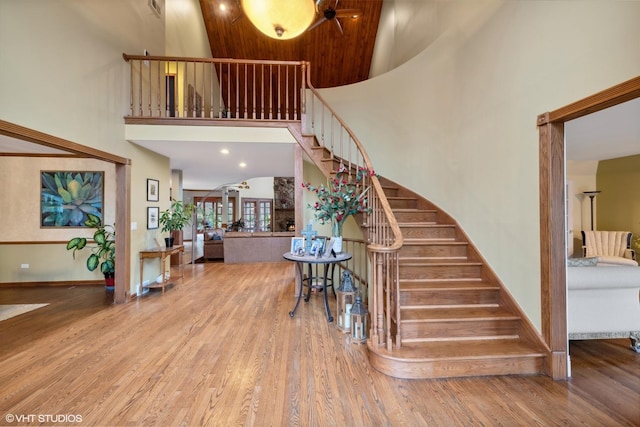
337,58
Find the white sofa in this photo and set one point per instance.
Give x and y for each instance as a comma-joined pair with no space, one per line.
603,298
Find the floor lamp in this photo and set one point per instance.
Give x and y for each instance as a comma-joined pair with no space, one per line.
592,195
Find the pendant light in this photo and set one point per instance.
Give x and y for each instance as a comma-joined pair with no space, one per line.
280,19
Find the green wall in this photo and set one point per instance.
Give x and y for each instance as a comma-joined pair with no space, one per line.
618,206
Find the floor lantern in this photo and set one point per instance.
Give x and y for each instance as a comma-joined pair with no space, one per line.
359,322
345,296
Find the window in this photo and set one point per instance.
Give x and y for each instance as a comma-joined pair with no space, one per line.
209,214
257,214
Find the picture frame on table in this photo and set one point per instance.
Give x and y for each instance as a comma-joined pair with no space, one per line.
318,246
153,190
153,216
297,245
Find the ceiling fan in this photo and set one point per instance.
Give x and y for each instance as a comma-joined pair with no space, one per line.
331,13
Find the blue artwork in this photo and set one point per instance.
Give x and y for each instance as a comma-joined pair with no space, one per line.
67,198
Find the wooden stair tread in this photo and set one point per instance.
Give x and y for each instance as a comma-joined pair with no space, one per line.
439,262
468,349
409,285
435,260
424,224
457,314
433,242
410,210
427,240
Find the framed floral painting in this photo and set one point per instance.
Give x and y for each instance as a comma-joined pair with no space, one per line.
66,197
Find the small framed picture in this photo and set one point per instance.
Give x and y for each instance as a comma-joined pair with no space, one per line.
153,213
153,190
297,245
318,246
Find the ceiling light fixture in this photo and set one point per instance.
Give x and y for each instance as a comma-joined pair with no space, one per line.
280,19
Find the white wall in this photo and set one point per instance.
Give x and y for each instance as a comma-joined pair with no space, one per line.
457,122
185,31
582,175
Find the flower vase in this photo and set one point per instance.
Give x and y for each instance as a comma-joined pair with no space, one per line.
336,237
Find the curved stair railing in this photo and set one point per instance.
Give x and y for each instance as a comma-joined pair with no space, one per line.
342,147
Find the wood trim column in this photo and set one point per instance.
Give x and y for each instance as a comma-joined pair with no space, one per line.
123,232
552,244
552,215
298,190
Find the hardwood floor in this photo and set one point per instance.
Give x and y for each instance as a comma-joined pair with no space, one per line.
219,348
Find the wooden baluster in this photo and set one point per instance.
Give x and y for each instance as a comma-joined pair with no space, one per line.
140,112
253,104
158,91
262,94
148,65
131,88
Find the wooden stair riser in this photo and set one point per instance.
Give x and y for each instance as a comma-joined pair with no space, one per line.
416,216
436,232
403,203
428,297
460,367
390,191
441,271
455,329
333,164
443,250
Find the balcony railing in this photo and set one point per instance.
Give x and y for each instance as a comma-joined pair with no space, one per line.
227,89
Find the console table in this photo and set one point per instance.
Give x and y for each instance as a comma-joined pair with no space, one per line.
310,260
163,254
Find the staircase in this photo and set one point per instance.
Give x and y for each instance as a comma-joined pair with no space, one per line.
456,319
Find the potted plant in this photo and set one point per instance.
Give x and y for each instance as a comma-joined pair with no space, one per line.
103,253
237,225
175,218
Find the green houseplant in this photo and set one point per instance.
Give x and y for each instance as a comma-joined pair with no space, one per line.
175,218
103,253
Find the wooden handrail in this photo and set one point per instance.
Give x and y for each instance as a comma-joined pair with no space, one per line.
384,235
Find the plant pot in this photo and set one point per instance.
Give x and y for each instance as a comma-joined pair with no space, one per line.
168,242
109,282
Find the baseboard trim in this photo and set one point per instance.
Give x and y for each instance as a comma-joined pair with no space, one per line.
51,284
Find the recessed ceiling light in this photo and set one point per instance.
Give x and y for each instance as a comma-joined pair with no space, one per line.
224,151
243,165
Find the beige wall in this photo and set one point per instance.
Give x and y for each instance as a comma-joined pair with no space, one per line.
619,203
456,123
63,72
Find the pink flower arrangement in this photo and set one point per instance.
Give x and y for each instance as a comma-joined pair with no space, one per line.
341,198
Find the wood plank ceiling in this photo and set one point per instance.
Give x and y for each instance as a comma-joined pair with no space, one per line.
336,58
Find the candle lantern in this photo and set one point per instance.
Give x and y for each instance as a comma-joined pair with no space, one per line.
359,322
345,295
